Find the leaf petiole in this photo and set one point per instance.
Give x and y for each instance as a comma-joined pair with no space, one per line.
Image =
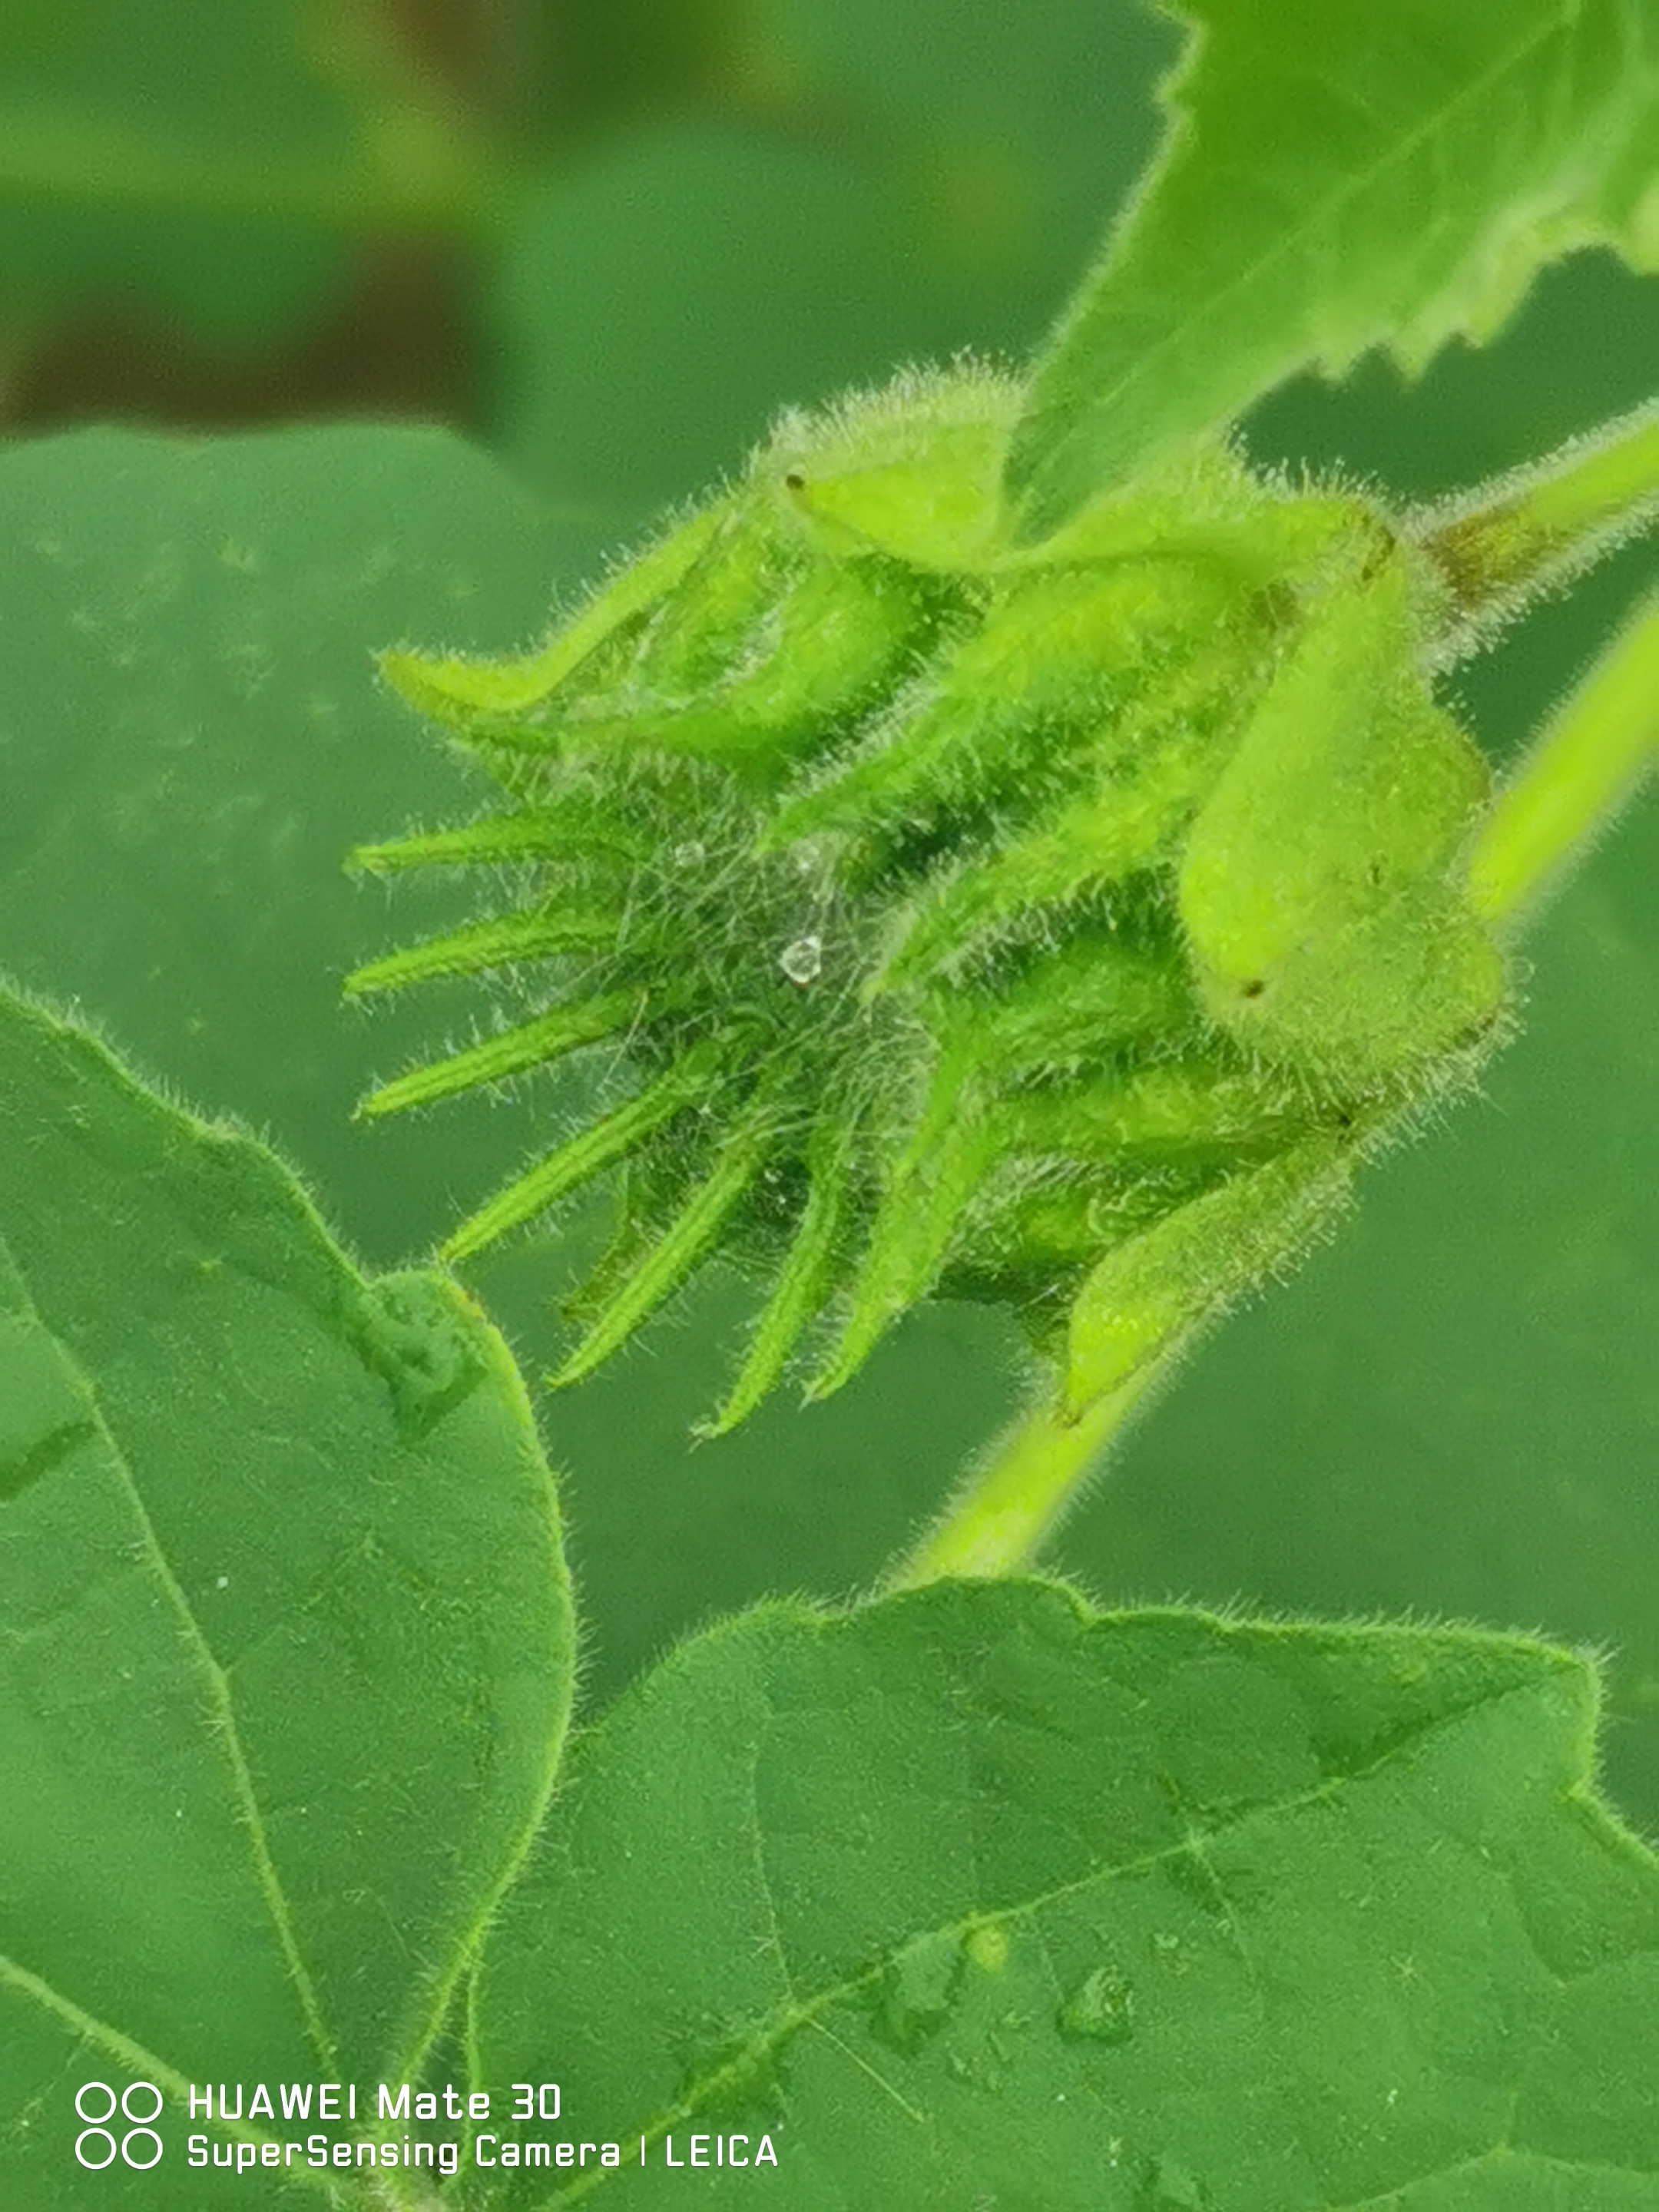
1501,544
1589,758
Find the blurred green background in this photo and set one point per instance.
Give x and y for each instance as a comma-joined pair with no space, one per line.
526,269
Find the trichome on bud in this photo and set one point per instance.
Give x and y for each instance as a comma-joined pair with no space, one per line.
1053,924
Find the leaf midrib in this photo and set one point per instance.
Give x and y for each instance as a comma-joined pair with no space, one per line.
226,1728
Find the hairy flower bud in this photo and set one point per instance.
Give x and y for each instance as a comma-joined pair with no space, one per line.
1047,925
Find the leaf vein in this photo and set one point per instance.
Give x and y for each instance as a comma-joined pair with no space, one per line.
221,1702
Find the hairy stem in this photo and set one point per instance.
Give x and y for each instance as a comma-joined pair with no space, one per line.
1592,754
1010,1506
1504,543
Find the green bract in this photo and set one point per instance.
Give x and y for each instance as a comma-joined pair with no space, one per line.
1051,925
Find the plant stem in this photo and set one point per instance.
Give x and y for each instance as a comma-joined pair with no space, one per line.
1592,754
1036,1471
1502,543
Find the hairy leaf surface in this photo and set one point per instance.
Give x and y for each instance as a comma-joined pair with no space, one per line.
285,1636
978,1898
1335,179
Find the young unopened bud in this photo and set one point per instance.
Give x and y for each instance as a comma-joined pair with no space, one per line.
1047,925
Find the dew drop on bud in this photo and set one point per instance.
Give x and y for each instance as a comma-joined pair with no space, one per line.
802,961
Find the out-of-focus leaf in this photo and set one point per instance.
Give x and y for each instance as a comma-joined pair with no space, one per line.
285,1634
174,162
975,1897
927,180
1335,179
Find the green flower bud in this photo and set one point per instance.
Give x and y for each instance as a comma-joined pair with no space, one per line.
1047,925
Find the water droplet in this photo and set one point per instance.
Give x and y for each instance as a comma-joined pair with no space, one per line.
802,961
914,1996
690,854
1101,2007
1168,2187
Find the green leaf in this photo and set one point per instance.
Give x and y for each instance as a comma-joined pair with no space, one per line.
976,1896
192,721
285,1632
1335,179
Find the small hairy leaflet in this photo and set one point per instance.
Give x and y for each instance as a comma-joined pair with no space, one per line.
1053,924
